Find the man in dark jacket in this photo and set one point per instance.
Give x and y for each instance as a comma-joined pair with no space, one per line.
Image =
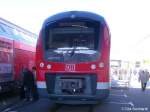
35,91
22,90
28,82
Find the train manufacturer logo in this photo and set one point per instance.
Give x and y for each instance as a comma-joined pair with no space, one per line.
70,67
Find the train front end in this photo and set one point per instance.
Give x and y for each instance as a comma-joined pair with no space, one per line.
73,58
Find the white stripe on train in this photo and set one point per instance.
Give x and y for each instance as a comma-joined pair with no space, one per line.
100,85
103,85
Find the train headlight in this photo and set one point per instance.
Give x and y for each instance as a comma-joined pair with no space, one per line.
49,66
41,64
101,65
93,66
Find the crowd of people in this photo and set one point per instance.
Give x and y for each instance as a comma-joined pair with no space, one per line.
140,75
28,89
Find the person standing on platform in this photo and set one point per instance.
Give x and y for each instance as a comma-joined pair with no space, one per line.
143,78
28,82
35,91
22,87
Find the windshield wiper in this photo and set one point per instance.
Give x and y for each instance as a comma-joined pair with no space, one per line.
73,51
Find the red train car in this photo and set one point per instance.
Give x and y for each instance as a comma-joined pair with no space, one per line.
72,58
17,50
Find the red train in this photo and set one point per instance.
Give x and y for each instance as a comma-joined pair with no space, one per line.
72,58
17,50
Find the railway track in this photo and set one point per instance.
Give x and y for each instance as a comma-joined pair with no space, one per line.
14,106
20,105
54,108
72,108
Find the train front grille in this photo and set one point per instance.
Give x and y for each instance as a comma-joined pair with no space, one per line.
71,84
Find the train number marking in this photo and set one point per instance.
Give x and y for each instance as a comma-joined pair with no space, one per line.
70,67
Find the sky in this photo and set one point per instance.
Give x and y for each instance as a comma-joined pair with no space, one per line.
128,20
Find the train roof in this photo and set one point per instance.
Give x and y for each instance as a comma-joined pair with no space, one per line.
17,33
75,14
12,25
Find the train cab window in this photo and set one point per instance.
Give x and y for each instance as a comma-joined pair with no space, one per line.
77,39
73,35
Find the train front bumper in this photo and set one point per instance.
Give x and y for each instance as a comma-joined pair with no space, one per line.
75,88
80,99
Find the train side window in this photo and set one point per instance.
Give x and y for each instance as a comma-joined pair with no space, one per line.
15,32
10,30
1,28
23,36
6,29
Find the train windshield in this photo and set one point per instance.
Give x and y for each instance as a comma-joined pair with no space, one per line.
72,41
